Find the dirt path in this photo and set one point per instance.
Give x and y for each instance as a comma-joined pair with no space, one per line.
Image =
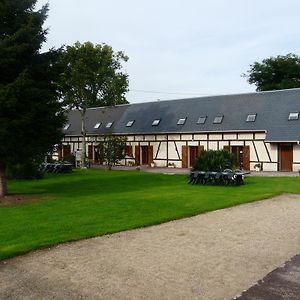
211,256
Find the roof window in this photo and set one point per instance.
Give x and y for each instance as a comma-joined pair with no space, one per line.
201,120
130,123
181,121
109,124
218,119
97,125
294,116
67,126
251,118
155,122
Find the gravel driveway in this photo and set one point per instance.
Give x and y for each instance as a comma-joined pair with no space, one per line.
215,255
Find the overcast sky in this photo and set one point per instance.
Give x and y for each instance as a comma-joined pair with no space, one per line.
180,49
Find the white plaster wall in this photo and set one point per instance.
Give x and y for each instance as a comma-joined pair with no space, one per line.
139,137
144,143
162,137
222,144
296,167
245,136
269,167
261,151
236,143
253,156
179,147
174,137
204,144
213,145
272,148
155,148
149,137
172,151
193,143
200,137
260,136
162,151
215,137
229,136
296,153
186,137
160,163
130,138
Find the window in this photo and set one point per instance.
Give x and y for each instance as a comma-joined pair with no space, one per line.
251,118
181,121
218,119
109,124
66,126
294,116
201,120
97,125
155,122
130,123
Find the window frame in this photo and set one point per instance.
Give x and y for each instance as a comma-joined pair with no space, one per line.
181,121
216,119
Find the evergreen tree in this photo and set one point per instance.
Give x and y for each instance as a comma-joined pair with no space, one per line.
30,114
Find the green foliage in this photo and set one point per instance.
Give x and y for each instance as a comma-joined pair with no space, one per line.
112,149
214,161
275,73
90,202
91,76
27,170
30,114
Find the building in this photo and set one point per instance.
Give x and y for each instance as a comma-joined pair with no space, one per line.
260,128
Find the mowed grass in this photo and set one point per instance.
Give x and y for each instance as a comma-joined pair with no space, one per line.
89,203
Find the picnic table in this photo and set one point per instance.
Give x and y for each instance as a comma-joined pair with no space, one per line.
56,167
226,177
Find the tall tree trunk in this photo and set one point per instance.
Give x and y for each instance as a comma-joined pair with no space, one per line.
83,135
2,181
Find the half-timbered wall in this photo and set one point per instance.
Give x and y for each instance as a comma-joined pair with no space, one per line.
173,149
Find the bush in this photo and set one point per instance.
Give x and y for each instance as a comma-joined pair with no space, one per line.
212,160
29,170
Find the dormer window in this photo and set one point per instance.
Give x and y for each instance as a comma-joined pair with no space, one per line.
218,119
201,120
294,116
97,125
181,121
130,123
67,126
109,124
155,122
251,118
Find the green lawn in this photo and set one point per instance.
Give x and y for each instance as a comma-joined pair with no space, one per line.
95,202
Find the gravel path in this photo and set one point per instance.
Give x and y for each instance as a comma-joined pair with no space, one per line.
211,256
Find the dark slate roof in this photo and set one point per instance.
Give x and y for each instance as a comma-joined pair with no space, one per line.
272,109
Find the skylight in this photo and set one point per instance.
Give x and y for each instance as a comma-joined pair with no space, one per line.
130,123
181,121
66,126
155,122
109,124
218,119
97,125
251,118
294,116
201,120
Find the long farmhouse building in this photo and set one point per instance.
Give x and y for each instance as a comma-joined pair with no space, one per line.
259,128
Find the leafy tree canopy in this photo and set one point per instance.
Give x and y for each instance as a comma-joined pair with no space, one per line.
30,114
275,73
91,75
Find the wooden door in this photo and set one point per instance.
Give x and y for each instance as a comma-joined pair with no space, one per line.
285,158
150,154
184,157
90,152
145,155
66,151
137,155
246,157
193,154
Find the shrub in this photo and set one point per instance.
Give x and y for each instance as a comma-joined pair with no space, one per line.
27,170
212,160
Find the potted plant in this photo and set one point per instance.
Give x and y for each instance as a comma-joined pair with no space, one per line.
257,167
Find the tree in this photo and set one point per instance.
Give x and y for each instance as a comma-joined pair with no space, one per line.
91,76
30,114
275,73
112,149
